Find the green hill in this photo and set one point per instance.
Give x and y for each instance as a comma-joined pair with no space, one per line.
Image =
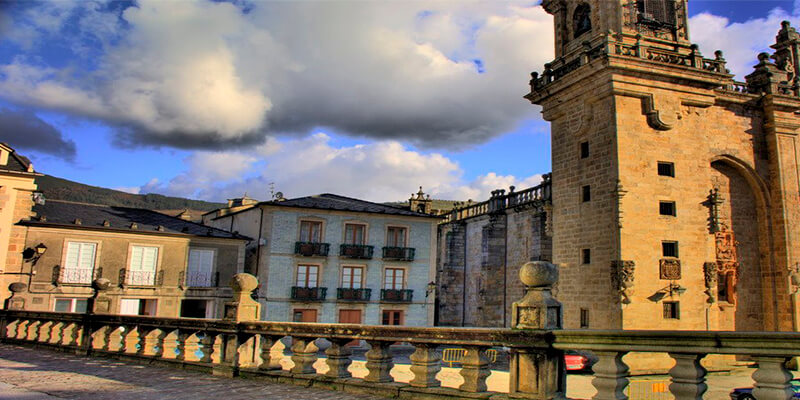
62,189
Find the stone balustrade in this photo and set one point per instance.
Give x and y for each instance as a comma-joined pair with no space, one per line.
240,345
502,200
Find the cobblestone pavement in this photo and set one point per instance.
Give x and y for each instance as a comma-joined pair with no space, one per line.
28,374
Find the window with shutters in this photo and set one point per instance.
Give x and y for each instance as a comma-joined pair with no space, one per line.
307,276
78,265
352,277
142,266
200,271
396,236
392,317
311,231
394,278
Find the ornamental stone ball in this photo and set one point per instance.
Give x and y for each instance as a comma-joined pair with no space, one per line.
17,287
243,283
538,274
101,284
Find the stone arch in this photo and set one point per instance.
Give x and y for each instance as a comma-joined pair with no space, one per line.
744,212
581,20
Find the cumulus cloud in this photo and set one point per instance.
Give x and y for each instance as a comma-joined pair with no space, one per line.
740,41
202,74
380,171
22,129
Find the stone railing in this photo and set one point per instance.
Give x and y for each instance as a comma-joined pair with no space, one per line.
500,201
241,346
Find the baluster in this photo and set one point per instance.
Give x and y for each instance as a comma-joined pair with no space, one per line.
105,337
772,379
145,343
425,364
32,331
475,369
57,333
22,329
180,347
304,355
610,376
207,347
43,333
379,362
160,343
125,339
270,358
74,338
338,358
688,376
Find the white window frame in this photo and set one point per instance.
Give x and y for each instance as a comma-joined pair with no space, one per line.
136,275
77,274
201,278
122,308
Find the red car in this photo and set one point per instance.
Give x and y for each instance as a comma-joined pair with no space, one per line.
578,362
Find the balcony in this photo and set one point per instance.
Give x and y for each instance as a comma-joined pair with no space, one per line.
398,253
75,276
310,249
199,279
356,251
140,278
349,294
308,293
397,295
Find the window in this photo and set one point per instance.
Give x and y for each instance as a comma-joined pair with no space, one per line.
307,276
138,307
396,236
581,20
584,149
71,305
584,318
666,208
354,234
666,169
304,315
201,268
586,256
392,317
352,277
194,308
142,269
586,193
672,310
669,249
393,278
656,12
311,231
79,263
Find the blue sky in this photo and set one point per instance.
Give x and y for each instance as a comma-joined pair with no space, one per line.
209,100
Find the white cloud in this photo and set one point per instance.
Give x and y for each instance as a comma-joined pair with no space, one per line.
201,73
381,171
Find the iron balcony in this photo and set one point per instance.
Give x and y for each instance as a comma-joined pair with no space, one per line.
308,293
397,295
350,294
398,253
356,251
309,249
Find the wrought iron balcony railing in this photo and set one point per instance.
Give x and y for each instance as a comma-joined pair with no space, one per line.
356,251
309,293
398,253
308,249
350,294
75,276
199,279
140,278
397,295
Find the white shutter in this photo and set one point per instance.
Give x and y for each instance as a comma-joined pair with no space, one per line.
143,263
201,267
129,307
79,262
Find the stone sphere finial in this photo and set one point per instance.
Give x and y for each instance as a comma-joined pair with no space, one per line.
763,57
101,284
17,287
243,283
538,274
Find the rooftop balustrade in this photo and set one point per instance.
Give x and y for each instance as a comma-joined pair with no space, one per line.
243,347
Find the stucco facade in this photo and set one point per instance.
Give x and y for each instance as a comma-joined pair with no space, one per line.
281,265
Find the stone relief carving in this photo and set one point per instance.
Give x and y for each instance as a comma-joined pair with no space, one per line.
794,279
727,264
622,278
710,274
670,269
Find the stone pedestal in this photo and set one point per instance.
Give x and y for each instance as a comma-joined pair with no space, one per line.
243,308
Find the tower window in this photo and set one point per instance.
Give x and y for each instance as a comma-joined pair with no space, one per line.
584,318
584,149
669,249
586,256
656,12
586,193
666,208
672,310
582,19
666,169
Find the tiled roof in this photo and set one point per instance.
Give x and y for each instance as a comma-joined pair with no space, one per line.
16,162
92,216
328,201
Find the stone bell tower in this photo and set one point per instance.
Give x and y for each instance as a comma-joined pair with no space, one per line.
675,188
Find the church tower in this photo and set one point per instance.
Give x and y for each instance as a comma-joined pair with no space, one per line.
675,188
